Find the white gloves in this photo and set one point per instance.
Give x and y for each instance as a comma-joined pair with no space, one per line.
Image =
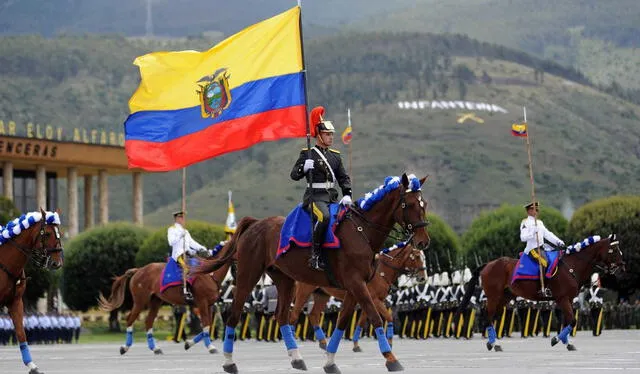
346,200
560,243
308,165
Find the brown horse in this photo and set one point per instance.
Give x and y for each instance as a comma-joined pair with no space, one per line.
144,285
574,270
32,237
362,232
402,260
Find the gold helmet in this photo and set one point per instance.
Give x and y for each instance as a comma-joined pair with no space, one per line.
319,124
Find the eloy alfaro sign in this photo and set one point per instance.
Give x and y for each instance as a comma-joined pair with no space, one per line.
56,133
450,105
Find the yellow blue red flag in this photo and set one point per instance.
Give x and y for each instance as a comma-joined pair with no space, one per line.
519,129
347,135
191,106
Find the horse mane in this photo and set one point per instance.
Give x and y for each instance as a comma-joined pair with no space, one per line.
14,227
577,247
390,184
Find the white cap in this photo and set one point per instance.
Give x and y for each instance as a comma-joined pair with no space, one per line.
436,279
267,280
444,279
466,277
430,280
403,280
595,277
456,278
228,277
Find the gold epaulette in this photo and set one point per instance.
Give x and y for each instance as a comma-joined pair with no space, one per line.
334,150
304,149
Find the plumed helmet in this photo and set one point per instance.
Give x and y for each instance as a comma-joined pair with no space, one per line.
456,278
318,123
436,279
430,280
466,276
444,279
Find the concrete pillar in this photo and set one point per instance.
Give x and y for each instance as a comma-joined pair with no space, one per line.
72,197
137,198
103,196
89,213
41,187
7,180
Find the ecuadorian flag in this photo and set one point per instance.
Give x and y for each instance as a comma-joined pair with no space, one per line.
347,134
192,106
519,129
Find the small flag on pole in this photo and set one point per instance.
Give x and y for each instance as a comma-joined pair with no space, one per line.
519,129
230,226
348,132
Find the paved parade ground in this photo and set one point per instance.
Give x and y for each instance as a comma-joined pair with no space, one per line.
614,351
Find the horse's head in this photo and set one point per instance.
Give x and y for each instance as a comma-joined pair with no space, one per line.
610,255
407,260
411,211
42,242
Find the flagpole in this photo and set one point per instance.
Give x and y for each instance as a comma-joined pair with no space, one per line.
533,198
184,214
349,146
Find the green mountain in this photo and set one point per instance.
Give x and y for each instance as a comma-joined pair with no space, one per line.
407,93
600,38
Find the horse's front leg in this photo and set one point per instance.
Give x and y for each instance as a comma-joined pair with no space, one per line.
16,311
348,307
567,310
154,307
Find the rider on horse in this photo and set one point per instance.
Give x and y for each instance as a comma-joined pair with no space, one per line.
182,244
528,230
327,172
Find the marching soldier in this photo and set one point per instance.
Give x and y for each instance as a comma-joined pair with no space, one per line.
447,300
424,293
533,232
182,244
595,299
525,316
327,173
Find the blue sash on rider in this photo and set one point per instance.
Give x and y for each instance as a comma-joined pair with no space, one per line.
172,273
527,268
296,229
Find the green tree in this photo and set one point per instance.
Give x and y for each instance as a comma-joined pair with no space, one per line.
94,257
618,215
497,233
156,248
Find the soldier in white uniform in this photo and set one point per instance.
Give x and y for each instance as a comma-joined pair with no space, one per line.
533,232
595,298
182,244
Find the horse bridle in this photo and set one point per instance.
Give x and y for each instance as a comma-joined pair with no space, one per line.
610,268
408,229
402,270
41,255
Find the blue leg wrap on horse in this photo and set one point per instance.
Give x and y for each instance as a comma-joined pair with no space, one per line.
334,342
319,333
24,351
150,342
207,339
382,340
491,332
564,334
198,337
129,340
390,331
356,333
229,336
287,336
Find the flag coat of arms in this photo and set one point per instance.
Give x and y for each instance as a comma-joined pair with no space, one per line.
191,106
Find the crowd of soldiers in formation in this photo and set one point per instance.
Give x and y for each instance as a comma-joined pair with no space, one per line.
52,328
427,310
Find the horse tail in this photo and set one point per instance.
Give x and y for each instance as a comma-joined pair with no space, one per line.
117,292
470,290
228,250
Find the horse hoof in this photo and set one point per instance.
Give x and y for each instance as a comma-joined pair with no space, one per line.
157,351
230,368
299,364
123,350
554,341
489,346
357,349
394,366
571,347
187,346
35,371
213,350
323,345
497,348
331,369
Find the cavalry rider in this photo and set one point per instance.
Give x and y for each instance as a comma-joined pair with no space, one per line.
182,244
533,232
327,172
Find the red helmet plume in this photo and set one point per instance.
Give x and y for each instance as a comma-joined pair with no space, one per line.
315,118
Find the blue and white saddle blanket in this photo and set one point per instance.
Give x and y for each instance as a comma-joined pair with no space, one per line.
172,273
296,229
528,269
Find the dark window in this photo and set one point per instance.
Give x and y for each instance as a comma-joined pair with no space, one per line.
24,191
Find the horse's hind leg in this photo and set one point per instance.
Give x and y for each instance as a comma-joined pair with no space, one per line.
285,287
567,309
207,317
16,311
131,319
154,306
493,305
320,301
348,307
